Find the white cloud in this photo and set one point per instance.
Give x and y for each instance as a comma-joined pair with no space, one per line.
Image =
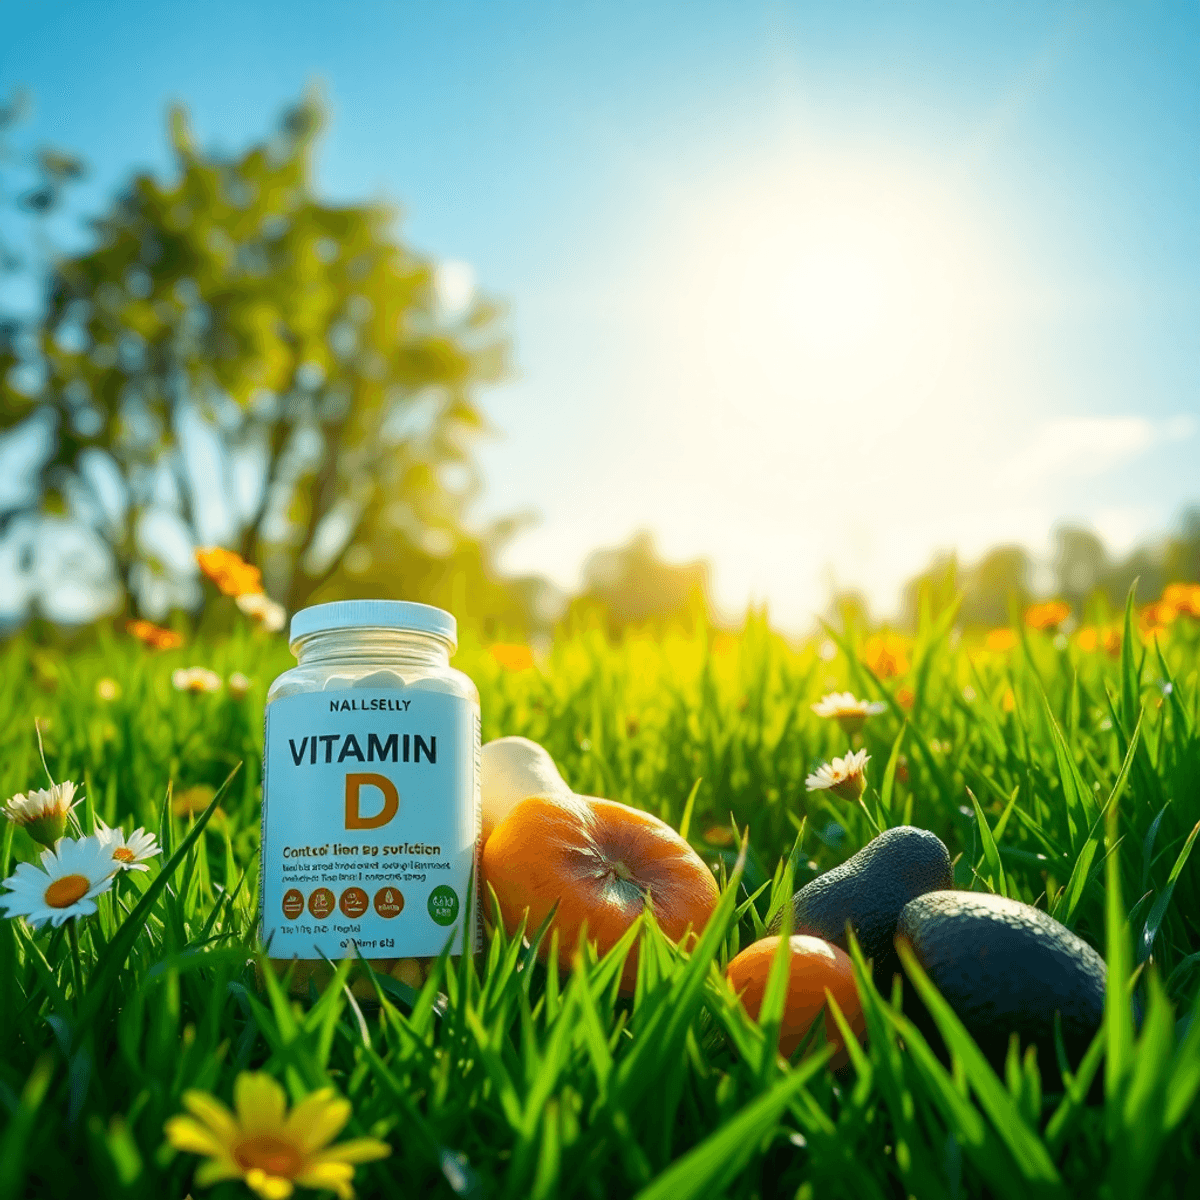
1085,446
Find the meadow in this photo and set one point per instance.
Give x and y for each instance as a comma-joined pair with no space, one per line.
1063,770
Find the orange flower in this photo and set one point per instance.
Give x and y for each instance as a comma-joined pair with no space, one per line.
886,654
190,801
229,571
1183,596
154,636
1008,702
1092,639
1157,616
906,697
512,656
1047,616
1001,640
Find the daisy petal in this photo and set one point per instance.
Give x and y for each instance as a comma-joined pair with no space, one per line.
317,1119
260,1102
357,1150
337,1177
212,1112
213,1170
186,1134
270,1187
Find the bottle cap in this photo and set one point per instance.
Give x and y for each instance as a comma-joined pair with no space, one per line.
375,614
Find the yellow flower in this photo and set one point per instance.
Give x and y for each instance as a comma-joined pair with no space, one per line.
108,689
192,801
512,656
268,1148
1047,616
1092,639
154,636
1000,641
886,654
232,574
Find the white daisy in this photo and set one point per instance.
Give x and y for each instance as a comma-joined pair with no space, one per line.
846,777
43,811
129,853
239,684
850,714
270,615
195,679
65,885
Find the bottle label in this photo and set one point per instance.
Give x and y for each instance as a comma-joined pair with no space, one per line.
370,819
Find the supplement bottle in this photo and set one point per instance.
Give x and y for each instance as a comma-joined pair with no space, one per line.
370,810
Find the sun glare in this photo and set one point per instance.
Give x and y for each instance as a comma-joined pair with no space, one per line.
828,349
831,287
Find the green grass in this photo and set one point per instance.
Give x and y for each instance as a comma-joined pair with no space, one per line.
1064,779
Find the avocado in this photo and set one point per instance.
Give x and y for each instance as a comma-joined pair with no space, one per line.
868,890
1006,967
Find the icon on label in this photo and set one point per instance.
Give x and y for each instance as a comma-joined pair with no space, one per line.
320,903
443,904
293,903
353,902
389,901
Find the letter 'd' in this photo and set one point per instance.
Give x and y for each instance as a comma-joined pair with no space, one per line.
391,800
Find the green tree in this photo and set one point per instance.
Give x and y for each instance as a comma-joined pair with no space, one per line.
632,586
930,593
301,346
999,580
1080,565
1181,561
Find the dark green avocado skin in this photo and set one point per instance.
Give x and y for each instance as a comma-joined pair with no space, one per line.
868,890
1007,967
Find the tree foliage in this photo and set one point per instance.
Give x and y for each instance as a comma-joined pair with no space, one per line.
231,344
632,586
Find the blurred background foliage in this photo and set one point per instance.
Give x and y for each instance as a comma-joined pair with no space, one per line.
231,359
1082,572
232,351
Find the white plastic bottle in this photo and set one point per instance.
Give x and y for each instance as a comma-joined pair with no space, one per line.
371,811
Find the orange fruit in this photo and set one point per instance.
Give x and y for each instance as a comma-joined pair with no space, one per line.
601,862
814,967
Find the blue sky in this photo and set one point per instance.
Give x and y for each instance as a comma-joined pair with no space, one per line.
811,290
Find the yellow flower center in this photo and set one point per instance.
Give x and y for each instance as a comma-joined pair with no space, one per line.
65,891
269,1154
123,854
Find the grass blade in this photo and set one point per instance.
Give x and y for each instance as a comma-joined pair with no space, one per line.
1159,911
707,1169
990,853
685,822
1027,1149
